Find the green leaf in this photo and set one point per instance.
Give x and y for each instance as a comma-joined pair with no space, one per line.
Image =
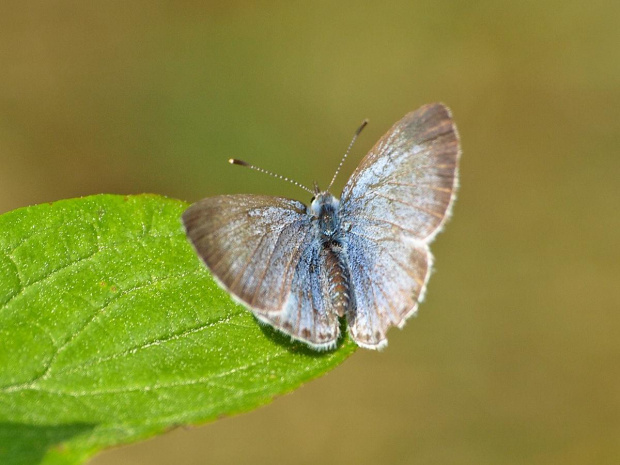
111,331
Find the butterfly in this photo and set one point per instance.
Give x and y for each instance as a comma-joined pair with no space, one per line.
364,256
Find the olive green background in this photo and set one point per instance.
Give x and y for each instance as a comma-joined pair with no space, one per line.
515,355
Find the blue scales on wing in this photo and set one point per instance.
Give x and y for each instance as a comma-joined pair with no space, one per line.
263,250
391,208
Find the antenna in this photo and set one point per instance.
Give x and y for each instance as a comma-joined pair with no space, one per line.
357,133
234,161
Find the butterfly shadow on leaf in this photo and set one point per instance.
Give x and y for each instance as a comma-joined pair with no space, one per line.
298,347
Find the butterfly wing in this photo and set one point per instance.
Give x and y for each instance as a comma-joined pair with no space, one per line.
391,208
263,251
388,273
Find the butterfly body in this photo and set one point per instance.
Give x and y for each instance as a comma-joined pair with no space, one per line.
364,257
325,209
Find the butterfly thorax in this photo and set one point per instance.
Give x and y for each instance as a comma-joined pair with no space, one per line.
324,208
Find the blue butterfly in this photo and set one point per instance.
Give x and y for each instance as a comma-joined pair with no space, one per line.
365,257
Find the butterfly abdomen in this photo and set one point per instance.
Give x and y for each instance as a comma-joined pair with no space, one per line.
337,277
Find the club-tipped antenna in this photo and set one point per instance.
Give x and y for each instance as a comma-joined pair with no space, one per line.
357,133
234,161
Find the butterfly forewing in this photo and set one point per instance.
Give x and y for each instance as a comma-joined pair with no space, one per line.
391,208
263,250
408,178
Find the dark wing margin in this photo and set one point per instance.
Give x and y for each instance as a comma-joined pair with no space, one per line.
392,207
259,249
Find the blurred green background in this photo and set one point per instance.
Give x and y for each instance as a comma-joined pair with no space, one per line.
515,356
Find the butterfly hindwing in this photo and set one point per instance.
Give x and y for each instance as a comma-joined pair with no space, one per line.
263,251
388,273
391,208
308,314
